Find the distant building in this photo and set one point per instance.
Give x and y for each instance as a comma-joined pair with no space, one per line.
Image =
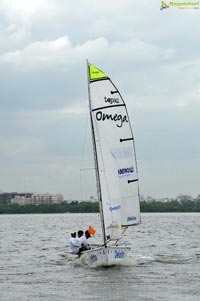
92,199
184,199
163,200
197,199
149,199
21,200
39,199
6,197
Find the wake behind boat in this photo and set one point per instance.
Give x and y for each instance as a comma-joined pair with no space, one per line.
116,168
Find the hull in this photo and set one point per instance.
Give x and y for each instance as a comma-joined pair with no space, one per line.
104,257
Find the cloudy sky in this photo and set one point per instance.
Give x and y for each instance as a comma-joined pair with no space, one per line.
151,55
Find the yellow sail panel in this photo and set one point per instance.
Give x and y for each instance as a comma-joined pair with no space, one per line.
95,73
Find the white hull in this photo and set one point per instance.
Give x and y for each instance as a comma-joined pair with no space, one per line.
104,257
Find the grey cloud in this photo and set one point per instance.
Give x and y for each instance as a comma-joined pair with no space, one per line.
151,56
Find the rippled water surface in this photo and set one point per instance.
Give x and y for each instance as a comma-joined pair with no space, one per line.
164,261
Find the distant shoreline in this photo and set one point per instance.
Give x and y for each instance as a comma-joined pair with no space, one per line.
93,207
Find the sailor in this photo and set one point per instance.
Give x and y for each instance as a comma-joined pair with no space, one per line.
83,242
74,243
82,239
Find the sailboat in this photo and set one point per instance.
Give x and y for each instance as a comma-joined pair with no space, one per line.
116,169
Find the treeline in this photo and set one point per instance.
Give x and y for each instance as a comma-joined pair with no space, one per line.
93,207
172,206
73,207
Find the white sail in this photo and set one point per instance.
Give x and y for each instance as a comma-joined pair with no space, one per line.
114,150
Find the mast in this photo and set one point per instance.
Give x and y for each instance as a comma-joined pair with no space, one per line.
96,162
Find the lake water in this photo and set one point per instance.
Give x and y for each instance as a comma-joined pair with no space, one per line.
164,262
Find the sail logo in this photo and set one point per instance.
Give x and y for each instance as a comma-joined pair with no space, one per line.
93,257
111,100
113,226
117,207
125,171
131,218
118,118
121,153
119,254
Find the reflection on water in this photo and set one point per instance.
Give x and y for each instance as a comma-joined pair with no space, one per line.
163,265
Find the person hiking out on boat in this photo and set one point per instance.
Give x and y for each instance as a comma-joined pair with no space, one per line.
74,243
81,237
84,243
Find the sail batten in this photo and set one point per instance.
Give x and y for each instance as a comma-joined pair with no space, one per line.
126,139
131,181
107,107
114,148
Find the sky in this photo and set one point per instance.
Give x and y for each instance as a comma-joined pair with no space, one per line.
153,58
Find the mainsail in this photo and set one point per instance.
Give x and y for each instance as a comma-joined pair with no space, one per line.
114,151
